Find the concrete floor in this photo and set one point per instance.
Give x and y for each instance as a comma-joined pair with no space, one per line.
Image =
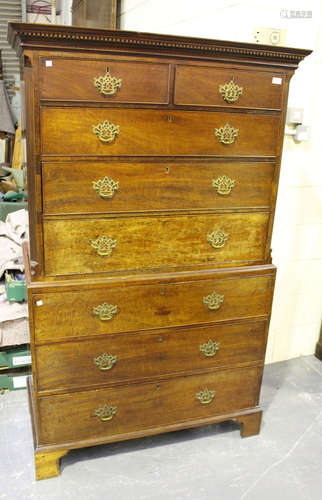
283,463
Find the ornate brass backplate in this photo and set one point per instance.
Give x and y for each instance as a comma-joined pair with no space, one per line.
103,245
226,134
223,185
105,361
213,301
105,311
105,413
230,91
107,84
105,187
106,131
209,348
205,396
217,238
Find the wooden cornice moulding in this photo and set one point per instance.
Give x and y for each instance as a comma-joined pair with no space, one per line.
27,36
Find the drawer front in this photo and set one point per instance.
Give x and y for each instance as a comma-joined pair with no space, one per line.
216,86
107,80
98,187
74,246
154,132
60,315
124,358
78,416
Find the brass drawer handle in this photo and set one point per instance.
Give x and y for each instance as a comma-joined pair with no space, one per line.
226,134
106,131
105,187
223,185
107,84
105,413
230,91
205,396
105,311
209,348
103,245
213,301
217,239
105,361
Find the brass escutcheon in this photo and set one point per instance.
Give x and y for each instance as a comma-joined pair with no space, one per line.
106,131
205,396
105,187
105,361
213,301
103,245
107,84
105,311
209,348
223,185
226,134
105,413
217,238
230,91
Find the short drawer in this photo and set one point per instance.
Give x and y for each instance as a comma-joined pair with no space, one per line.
104,80
133,357
80,246
113,132
103,310
98,187
217,86
120,411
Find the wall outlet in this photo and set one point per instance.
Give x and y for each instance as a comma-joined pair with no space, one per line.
269,36
294,115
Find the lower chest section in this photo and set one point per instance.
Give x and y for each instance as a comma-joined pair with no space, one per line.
134,358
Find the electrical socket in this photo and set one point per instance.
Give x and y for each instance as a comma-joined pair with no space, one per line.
269,36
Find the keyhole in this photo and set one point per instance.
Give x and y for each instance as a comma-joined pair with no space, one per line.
167,170
169,118
158,387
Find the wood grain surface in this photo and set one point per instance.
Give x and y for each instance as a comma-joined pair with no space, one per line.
152,242
199,85
145,406
155,132
69,78
64,314
168,185
165,352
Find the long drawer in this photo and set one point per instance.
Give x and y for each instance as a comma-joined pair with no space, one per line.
111,309
99,187
105,80
132,357
76,131
123,410
76,246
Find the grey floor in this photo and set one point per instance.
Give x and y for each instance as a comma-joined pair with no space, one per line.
213,462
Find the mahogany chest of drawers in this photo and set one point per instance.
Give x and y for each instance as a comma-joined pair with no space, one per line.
153,165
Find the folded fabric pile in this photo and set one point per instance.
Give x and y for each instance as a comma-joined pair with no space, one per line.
13,316
12,234
14,327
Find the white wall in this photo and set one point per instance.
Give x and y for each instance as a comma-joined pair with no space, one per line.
297,235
